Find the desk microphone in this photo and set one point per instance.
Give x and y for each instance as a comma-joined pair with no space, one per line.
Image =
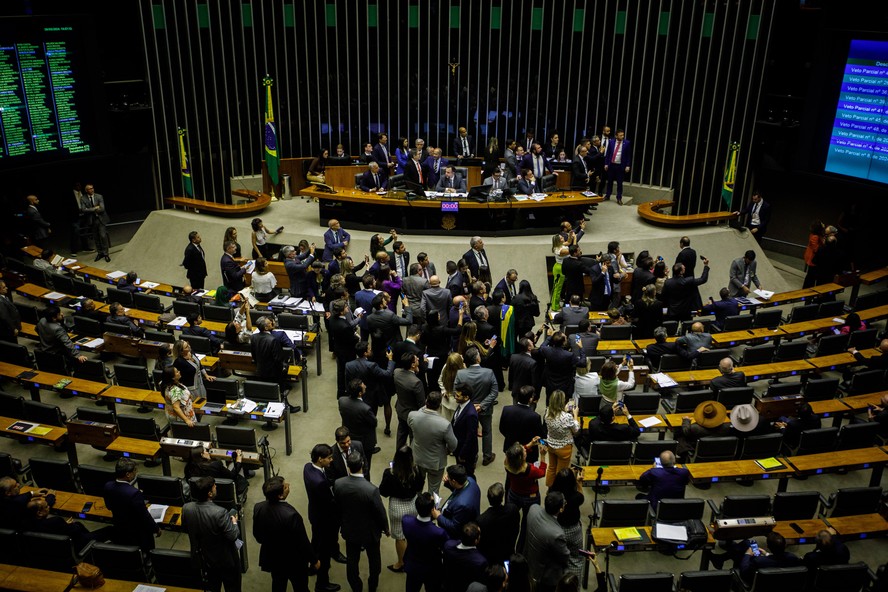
600,472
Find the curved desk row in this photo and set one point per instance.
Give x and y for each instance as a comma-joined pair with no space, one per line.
650,211
257,202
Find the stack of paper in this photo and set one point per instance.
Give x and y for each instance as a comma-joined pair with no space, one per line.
662,379
178,322
627,534
274,410
149,285
54,296
115,275
671,532
650,421
241,406
763,294
157,511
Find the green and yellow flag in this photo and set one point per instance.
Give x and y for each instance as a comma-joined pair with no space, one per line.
272,160
185,166
730,173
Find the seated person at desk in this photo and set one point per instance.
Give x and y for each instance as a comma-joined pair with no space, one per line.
695,342
118,317
367,155
201,464
53,337
603,427
527,182
451,182
373,179
88,310
879,362
496,181
187,295
128,283
659,348
749,561
709,421
44,261
879,414
725,307
829,550
13,502
194,328
573,313
38,519
729,378
665,481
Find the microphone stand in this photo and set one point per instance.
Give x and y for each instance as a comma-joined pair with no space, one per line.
607,563
595,502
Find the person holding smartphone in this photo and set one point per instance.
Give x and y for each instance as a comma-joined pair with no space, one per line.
748,558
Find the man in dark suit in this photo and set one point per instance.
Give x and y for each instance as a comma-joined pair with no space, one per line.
297,270
601,278
581,174
436,164
679,294
373,179
561,364
604,429
546,546
465,428
412,344
285,550
342,334
463,562
335,237
93,215
360,419
410,393
747,562
729,378
642,276
499,524
369,372
523,368
476,256
463,505
271,363
536,162
10,319
586,338
232,272
509,285
213,533
425,540
687,256
417,171
412,286
341,448
483,389
450,182
194,328
13,503
723,308
659,348
757,214
574,267
322,512
428,268
381,154
664,482
363,522
133,525
367,155
463,145
195,261
521,423
617,162
38,228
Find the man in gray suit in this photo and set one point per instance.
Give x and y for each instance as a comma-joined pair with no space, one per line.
545,546
573,313
363,522
413,287
433,440
436,298
410,393
482,385
213,533
451,182
743,275
94,216
53,337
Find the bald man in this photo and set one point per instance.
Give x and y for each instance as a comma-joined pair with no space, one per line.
374,179
729,378
693,344
334,238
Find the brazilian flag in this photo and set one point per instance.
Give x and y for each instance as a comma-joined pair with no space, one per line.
185,166
730,173
272,160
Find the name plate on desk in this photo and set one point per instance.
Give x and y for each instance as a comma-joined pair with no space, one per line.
773,407
92,433
742,528
181,447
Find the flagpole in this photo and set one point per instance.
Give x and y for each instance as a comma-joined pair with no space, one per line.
272,159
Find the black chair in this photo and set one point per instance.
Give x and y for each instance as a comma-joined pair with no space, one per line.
200,431
221,314
12,406
53,474
255,315
741,506
93,479
850,501
624,513
102,415
831,345
857,435
738,322
864,339
642,403
616,332
44,413
610,453
711,359
159,489
705,321
596,362
232,438
148,302
120,562
705,581
226,494
776,579
294,322
763,446
871,300
713,449
589,404
222,390
650,582
182,308
266,392
91,370
788,351
853,577
50,362
28,313
795,505
738,395
669,362
758,354
162,336
814,441
200,345
14,353
12,467
118,329
678,510
821,389
175,568
784,389
671,328
867,381
88,290
62,283
132,376
804,312
686,402
647,450
142,428
833,308
767,317
50,551
10,547
87,327
116,295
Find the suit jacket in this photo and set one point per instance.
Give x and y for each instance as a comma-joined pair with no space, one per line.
598,299
640,279
679,295
462,566
411,174
10,320
372,375
38,226
424,543
338,468
625,157
527,163
580,172
232,273
482,385
195,262
525,187
523,371
613,432
413,286
472,261
560,369
545,547
465,429
499,532
383,326
521,423
764,215
434,175
212,534
738,274
132,524
360,420
734,379
342,334
665,483
433,438
334,240
722,309
280,531
750,564
504,286
360,506
457,183
297,271
463,506
382,156
322,510
459,150
573,269
54,339
269,356
410,392
436,299
393,263
570,316
91,217
367,183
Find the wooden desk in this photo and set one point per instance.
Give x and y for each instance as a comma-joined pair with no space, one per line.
32,250
747,336
89,272
28,579
56,437
859,403
47,380
868,278
601,538
852,460
782,298
810,528
674,420
737,470
826,289
753,373
133,396
214,327
650,211
256,416
625,346
802,328
586,420
860,526
141,449
614,475
841,360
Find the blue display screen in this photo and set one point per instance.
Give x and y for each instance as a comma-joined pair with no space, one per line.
449,206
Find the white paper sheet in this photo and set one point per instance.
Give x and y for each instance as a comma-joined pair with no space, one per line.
672,532
650,421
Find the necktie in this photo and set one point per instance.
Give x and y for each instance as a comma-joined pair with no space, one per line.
481,259
465,146
607,284
616,150
456,415
199,248
450,182
511,288
375,180
336,237
437,164
425,272
585,168
418,170
539,167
